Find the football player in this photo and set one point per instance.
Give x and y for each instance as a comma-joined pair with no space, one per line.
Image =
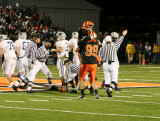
89,49
22,62
9,63
62,48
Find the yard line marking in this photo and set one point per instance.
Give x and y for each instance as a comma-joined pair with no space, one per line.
124,96
141,92
9,101
62,99
76,112
39,100
142,95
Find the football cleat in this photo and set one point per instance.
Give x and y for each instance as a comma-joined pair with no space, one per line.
116,88
97,96
30,91
109,92
82,96
73,91
15,88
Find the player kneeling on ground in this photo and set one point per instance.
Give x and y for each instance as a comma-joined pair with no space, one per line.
72,72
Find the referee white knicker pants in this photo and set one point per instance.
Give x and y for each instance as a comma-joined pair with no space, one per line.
111,72
38,66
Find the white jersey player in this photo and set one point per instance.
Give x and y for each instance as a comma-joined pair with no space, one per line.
62,47
9,64
73,45
20,47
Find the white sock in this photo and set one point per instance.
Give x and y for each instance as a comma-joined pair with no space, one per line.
29,88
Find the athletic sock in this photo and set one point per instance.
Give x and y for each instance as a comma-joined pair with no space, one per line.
30,83
82,92
96,92
17,83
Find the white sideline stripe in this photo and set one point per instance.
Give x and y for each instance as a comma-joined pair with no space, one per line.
39,100
124,96
75,112
62,99
142,95
11,101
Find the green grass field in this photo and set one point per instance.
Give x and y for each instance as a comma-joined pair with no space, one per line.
132,104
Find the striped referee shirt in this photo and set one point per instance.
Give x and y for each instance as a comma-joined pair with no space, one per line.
30,51
108,52
72,68
41,53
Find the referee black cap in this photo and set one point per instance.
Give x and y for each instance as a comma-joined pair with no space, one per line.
66,61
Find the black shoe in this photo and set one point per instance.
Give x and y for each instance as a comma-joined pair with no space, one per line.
22,87
53,88
109,92
73,91
82,96
30,91
15,88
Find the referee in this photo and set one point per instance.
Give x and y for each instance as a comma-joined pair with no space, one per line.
108,54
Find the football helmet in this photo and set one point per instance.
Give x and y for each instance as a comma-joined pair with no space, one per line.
61,35
114,35
22,35
74,35
88,25
3,37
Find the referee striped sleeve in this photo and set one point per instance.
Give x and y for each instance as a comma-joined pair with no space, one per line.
30,51
119,42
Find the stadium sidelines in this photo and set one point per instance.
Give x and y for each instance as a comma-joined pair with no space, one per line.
40,84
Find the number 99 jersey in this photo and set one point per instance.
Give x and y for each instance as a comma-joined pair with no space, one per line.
89,50
8,46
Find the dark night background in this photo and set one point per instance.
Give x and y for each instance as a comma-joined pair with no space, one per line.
140,18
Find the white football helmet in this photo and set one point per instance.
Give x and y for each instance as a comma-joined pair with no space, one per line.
3,37
22,35
114,35
61,35
74,35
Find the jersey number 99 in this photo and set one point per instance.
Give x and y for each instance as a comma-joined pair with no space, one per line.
91,50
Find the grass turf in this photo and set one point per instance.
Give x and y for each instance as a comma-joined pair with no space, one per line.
140,104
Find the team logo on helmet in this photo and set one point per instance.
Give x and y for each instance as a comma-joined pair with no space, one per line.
3,37
22,35
75,35
61,36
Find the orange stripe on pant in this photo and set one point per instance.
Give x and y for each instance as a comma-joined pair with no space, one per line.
91,68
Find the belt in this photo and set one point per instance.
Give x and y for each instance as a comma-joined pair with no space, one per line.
109,62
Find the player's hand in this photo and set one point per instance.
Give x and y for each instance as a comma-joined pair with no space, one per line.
31,66
124,32
52,50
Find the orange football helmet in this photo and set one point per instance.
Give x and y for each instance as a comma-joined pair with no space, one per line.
87,24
